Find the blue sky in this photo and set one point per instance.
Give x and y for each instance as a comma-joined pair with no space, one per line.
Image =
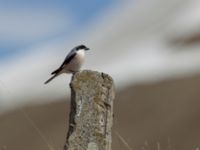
27,23
81,10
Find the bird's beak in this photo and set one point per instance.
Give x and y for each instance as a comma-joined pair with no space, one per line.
87,49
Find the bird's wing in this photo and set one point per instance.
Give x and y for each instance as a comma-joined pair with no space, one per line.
68,58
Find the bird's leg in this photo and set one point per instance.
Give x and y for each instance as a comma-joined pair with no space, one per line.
73,72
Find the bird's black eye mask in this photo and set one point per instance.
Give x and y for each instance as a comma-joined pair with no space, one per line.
81,47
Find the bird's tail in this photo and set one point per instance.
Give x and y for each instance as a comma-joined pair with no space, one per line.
56,71
51,78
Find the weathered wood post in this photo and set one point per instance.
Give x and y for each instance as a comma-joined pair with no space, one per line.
91,115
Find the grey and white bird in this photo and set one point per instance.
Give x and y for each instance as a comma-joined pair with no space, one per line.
72,63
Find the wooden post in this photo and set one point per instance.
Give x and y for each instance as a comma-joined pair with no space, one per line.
91,116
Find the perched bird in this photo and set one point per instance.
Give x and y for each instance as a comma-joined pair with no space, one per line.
72,62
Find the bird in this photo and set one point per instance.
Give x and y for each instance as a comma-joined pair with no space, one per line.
72,63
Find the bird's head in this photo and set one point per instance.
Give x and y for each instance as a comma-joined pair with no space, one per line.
81,47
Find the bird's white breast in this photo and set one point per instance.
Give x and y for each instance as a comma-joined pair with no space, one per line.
81,53
80,57
76,63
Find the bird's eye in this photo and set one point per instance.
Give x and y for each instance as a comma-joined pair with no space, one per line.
81,47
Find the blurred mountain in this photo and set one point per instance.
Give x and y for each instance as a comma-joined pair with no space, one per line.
164,114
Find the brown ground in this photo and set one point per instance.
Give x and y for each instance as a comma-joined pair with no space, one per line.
165,113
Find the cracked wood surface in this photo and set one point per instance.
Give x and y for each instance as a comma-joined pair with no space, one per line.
91,115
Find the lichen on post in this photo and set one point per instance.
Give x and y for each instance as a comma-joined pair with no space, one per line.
91,114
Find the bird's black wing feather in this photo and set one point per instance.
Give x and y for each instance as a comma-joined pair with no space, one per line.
68,58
